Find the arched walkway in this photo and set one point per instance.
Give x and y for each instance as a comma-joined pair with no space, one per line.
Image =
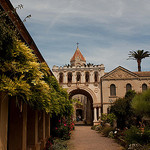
85,112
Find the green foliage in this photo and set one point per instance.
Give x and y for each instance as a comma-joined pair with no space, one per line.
59,145
108,118
123,110
64,128
22,76
134,135
139,55
107,130
141,103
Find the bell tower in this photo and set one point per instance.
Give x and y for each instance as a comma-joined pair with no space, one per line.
77,59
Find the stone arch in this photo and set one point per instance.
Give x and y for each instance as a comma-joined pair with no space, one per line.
84,90
88,108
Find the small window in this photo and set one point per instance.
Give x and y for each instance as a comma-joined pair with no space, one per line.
144,87
69,77
96,76
61,77
78,76
128,87
87,77
112,90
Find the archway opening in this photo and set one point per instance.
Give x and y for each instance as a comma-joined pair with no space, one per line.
83,109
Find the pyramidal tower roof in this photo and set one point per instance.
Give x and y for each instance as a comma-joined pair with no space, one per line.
77,54
77,58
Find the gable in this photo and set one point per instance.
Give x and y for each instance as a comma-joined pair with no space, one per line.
120,73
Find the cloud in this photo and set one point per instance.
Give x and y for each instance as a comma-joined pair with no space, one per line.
106,29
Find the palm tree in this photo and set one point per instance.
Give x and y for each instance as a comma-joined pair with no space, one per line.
139,55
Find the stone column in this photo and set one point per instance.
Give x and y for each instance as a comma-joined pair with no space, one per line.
99,112
95,114
65,77
73,77
91,76
82,77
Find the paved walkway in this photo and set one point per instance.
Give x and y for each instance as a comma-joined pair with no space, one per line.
83,138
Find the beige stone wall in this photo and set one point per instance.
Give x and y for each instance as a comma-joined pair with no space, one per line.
120,89
3,120
90,86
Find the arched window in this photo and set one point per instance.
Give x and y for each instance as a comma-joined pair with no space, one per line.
78,76
87,77
69,77
60,77
112,90
96,76
128,87
144,87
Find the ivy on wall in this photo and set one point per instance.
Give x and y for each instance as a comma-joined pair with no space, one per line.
22,76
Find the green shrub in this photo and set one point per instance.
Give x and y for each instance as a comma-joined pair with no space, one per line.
108,118
134,135
59,145
93,127
141,103
107,130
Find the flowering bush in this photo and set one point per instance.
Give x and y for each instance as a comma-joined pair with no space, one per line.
64,128
49,144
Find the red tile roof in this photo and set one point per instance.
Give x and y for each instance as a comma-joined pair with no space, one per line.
143,74
77,54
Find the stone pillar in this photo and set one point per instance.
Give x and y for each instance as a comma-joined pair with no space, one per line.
91,77
95,114
82,77
99,112
65,77
73,77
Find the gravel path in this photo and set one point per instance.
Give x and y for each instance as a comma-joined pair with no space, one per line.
83,138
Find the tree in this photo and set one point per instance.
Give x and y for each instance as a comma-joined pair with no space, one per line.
141,103
139,55
123,110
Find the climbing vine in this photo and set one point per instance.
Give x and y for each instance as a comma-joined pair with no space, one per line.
22,76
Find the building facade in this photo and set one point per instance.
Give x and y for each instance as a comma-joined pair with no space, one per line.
101,89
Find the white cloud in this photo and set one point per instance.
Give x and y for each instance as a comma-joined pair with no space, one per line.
105,29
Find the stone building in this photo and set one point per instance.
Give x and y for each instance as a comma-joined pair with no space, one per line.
99,88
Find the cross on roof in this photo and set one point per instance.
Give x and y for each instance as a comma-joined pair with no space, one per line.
77,44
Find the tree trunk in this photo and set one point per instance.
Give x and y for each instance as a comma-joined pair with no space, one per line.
139,65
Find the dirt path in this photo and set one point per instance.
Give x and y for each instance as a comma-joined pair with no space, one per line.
83,138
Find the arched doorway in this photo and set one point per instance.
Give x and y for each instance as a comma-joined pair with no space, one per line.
85,110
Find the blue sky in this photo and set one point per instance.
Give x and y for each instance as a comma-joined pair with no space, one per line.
106,30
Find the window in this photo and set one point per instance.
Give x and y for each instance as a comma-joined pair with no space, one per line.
61,77
128,87
69,77
112,90
144,87
78,76
96,76
87,77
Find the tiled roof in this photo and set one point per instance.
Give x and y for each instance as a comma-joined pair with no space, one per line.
143,74
77,54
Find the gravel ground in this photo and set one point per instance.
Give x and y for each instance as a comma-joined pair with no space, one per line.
83,138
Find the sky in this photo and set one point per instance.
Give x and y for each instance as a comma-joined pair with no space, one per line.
106,30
